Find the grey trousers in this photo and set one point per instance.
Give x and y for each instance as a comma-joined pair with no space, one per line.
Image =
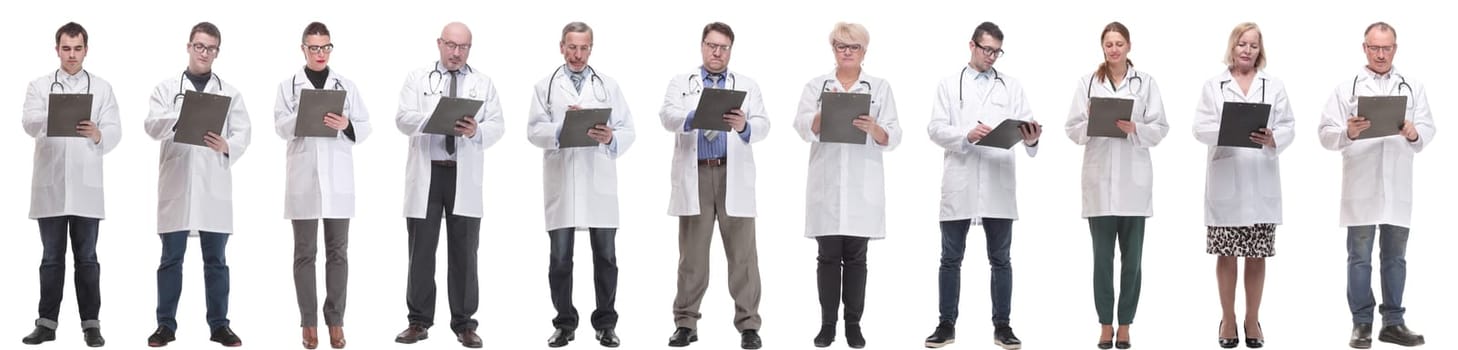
694,236
336,270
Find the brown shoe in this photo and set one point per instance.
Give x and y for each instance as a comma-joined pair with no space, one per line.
336,337
311,337
468,338
412,334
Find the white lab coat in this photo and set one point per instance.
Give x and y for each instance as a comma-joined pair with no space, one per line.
580,185
846,189
67,177
319,182
194,183
977,181
1376,172
739,193
1118,177
1243,185
422,91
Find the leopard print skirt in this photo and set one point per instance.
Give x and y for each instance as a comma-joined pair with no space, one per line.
1257,241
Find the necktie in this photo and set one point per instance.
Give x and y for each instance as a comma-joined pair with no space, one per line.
715,80
577,81
450,141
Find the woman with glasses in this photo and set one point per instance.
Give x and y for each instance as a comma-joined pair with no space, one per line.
1117,174
320,178
845,196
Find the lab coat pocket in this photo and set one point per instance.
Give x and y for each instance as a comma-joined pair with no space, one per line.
1402,173
1143,170
605,179
341,170
1359,175
1221,181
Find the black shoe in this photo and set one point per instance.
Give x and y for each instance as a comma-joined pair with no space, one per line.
946,333
1361,336
161,337
1400,335
559,338
93,337
41,334
608,338
682,337
1227,343
1122,345
1255,343
468,338
224,335
853,336
1003,336
749,339
826,335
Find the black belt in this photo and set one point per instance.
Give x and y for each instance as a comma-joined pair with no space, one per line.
713,162
443,163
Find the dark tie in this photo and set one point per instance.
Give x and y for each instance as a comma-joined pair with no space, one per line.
715,81
577,81
450,141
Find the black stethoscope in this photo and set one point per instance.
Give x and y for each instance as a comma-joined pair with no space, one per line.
1402,82
436,78
825,87
695,80
1263,89
599,88
295,81
1128,82
963,77
56,82
182,89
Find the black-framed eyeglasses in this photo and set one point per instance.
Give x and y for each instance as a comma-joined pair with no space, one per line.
843,47
326,48
200,48
995,53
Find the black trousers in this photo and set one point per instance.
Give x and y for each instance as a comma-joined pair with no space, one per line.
604,277
841,276
463,237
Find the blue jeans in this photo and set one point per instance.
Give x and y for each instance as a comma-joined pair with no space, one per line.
215,276
1359,272
999,256
82,232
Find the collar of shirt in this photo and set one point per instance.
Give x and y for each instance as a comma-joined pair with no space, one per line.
440,67
979,75
723,76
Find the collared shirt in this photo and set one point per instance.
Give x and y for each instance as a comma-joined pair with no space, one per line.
716,148
437,142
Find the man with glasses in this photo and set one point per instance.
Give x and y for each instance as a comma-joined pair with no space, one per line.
444,182
713,181
195,188
66,188
1377,185
978,182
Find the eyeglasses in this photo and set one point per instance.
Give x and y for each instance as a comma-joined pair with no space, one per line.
716,47
995,53
326,48
840,47
200,48
575,48
1382,49
453,46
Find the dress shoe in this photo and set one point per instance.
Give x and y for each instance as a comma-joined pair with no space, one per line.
1255,343
608,338
468,338
853,336
1227,343
946,333
826,335
559,338
224,335
1122,344
93,337
749,339
336,337
161,337
311,337
1361,336
682,337
41,334
1400,335
1003,336
412,334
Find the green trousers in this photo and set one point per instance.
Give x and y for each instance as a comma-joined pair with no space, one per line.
1128,232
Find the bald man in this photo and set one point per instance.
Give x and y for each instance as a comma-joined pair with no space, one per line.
434,191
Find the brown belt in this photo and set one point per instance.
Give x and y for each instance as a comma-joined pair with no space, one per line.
443,163
712,162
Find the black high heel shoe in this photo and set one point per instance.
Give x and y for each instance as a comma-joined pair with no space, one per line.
1255,343
1107,343
1121,344
1228,343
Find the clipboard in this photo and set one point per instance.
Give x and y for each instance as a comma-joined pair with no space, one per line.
578,122
1238,120
64,112
1005,135
313,105
1387,114
1103,114
201,113
713,103
838,112
447,112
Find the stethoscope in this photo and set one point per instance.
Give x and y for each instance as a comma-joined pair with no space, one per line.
1402,82
182,89
1263,89
694,79
435,79
1128,82
825,86
295,81
963,77
599,89
56,82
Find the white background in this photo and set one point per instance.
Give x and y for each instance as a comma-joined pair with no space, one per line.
1313,48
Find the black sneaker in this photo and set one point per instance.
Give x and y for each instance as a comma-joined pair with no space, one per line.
224,335
161,337
41,334
826,335
93,337
1003,336
946,333
853,336
1400,335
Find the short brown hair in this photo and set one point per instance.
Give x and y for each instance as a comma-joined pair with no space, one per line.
72,29
205,28
718,27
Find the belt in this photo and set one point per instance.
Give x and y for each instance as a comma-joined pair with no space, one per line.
443,163
712,162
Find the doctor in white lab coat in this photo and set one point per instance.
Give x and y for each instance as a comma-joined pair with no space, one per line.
443,180
1377,184
195,187
1117,176
579,184
979,183
845,195
66,196
713,177
1243,185
320,183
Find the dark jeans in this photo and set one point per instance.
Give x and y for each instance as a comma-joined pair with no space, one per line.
53,234
604,277
463,237
842,275
999,256
215,277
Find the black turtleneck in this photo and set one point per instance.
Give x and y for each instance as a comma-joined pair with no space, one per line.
317,77
198,81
